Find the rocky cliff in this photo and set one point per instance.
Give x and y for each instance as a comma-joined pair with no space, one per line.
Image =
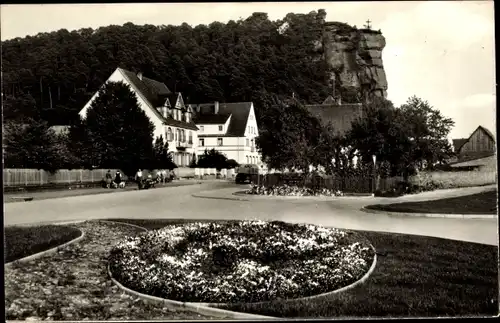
355,59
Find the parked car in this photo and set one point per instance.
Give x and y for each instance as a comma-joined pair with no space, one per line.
244,173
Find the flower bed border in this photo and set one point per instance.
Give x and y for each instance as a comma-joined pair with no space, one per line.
212,308
46,252
431,215
319,197
200,308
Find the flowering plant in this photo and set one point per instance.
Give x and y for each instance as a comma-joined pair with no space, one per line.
245,261
286,190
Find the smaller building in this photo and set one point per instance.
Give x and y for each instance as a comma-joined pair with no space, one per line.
230,128
340,116
477,151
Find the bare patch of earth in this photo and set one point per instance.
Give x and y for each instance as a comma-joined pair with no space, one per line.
73,284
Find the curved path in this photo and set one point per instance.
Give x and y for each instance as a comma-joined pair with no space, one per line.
179,202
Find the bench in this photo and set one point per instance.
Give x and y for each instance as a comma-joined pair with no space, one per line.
24,198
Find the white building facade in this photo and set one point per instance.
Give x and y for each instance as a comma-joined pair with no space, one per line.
172,119
230,128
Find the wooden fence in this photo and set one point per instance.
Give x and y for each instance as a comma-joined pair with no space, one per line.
349,184
13,177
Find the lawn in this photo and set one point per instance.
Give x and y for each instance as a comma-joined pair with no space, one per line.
415,276
21,242
480,203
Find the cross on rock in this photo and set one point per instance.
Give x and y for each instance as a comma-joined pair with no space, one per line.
368,26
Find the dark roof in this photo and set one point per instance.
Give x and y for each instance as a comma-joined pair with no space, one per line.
155,94
340,116
211,118
470,156
215,135
458,143
239,115
158,87
153,91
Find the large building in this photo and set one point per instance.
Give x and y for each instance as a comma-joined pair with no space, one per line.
230,128
171,117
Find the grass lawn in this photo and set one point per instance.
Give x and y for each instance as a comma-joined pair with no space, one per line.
480,203
415,276
21,242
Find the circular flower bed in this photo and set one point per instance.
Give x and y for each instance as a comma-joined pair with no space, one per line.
287,190
246,261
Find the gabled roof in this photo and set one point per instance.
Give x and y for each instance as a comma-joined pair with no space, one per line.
472,156
211,118
340,116
489,133
239,113
458,143
329,100
156,93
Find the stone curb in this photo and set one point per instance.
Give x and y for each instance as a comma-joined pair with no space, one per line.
198,308
209,308
46,252
124,223
432,215
310,198
220,198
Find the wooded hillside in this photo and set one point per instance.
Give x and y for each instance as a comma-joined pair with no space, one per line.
52,75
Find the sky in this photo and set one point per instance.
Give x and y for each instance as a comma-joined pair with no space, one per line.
440,51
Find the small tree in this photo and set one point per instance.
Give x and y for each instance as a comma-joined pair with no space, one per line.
212,159
162,158
231,163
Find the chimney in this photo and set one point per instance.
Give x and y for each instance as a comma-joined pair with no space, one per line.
139,75
216,107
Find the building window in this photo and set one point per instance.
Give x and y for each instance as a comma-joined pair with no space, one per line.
183,135
248,162
202,128
202,142
179,138
248,142
169,134
190,137
219,141
220,128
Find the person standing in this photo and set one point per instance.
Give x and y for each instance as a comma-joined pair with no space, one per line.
138,178
108,179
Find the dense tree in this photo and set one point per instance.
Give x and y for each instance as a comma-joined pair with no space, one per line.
290,136
403,139
212,159
117,132
32,144
428,130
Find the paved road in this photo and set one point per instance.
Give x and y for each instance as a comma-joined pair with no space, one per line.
178,202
